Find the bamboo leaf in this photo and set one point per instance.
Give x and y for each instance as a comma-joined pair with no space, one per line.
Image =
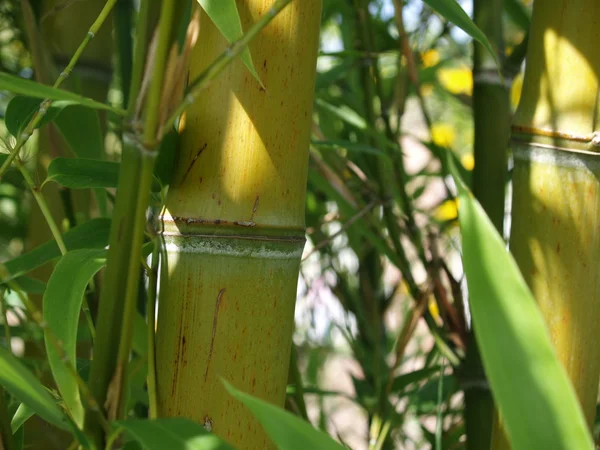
451,10
85,145
543,413
401,382
172,434
71,122
62,304
226,18
81,173
350,146
287,431
22,414
26,388
92,234
518,13
21,109
21,86
31,285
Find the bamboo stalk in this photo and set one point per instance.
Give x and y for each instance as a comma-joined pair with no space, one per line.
491,112
108,377
556,193
234,226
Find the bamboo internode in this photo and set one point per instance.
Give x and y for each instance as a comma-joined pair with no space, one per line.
234,226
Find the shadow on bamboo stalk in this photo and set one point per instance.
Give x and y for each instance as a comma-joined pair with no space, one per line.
234,227
555,236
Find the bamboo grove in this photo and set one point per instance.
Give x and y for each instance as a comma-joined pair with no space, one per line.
295,224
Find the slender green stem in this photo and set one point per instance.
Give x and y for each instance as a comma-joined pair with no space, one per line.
150,313
117,304
221,63
4,306
35,314
39,198
45,105
139,56
7,441
165,24
439,425
41,201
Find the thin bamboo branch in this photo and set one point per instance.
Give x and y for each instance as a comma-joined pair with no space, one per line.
45,105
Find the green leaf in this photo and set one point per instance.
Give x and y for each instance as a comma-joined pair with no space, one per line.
401,382
451,10
71,122
85,145
518,13
287,431
31,285
350,146
92,234
172,434
82,173
22,414
26,388
21,109
224,15
62,305
21,86
536,400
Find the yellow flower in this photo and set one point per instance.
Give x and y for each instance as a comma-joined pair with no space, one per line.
456,81
515,90
447,211
443,134
426,89
434,310
468,161
430,58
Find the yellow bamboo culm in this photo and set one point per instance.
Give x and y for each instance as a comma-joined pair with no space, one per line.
555,234
234,226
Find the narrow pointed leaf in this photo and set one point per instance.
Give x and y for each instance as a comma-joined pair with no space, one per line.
21,86
535,397
20,111
71,122
451,10
82,173
22,385
62,304
92,234
22,414
226,18
172,434
287,431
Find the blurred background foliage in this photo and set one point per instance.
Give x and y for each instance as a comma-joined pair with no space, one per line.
381,327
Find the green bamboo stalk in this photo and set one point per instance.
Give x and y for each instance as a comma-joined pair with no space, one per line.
108,377
491,113
555,237
234,226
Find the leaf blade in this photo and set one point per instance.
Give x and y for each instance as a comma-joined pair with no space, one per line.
502,305
83,173
285,430
225,16
21,86
451,10
62,304
25,387
172,433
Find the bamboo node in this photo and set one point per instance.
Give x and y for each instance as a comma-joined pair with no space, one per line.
596,138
